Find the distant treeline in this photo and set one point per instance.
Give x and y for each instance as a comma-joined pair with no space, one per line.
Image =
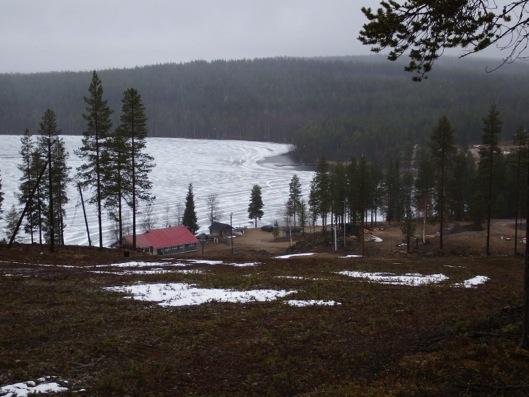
336,107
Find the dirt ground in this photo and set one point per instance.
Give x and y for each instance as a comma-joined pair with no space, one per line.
432,340
457,241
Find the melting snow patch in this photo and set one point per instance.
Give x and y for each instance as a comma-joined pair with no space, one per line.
351,256
305,303
148,272
136,264
293,255
205,262
412,279
473,282
44,385
246,264
182,294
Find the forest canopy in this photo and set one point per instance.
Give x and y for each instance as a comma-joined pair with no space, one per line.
367,104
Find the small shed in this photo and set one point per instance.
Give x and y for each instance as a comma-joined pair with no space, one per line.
218,229
167,241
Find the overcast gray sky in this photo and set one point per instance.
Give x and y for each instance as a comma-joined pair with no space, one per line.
38,35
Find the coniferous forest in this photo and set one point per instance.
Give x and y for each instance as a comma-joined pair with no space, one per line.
335,107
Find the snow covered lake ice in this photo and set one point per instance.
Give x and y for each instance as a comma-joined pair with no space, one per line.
226,167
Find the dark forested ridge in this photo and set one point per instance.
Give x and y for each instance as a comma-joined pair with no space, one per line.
339,107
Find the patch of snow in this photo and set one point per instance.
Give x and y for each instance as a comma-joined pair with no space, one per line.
351,256
141,264
293,255
473,282
376,239
148,272
305,303
454,266
246,264
182,294
24,389
411,279
205,262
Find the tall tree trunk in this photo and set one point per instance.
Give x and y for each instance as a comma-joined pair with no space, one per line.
442,200
98,183
525,329
489,201
39,209
50,198
517,214
133,184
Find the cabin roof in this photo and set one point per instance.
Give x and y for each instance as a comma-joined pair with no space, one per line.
164,238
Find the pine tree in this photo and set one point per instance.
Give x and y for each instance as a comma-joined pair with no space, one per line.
322,187
408,223
521,143
39,199
442,149
423,187
90,173
392,191
1,196
27,182
255,208
116,181
459,188
488,153
363,197
133,129
314,204
51,147
190,216
294,197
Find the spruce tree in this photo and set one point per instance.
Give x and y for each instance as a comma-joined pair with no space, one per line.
294,196
255,208
133,127
190,216
392,191
98,124
442,149
488,154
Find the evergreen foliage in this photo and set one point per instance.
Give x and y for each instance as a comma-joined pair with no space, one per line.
133,130
190,216
98,124
52,149
255,208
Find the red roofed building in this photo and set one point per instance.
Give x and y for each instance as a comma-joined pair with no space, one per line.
166,241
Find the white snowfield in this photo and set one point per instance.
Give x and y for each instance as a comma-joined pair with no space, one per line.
473,282
305,303
227,168
351,256
410,279
141,264
182,294
293,255
44,385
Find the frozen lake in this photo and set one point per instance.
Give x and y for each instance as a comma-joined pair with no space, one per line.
228,168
